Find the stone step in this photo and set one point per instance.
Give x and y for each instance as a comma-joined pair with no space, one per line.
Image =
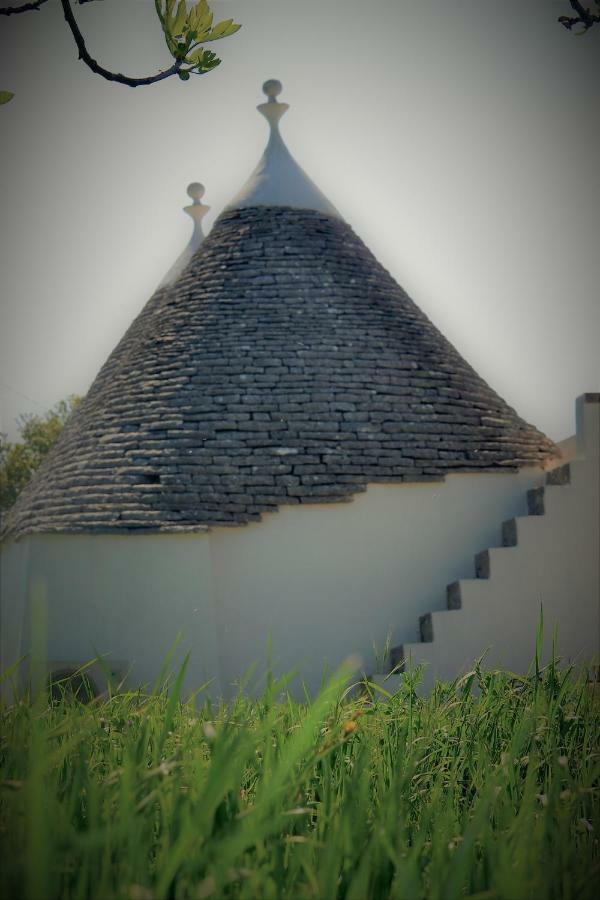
460,591
535,501
509,533
482,565
487,563
411,656
465,594
437,622
404,657
426,628
560,475
397,660
453,595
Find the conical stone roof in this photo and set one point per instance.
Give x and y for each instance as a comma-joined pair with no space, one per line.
284,365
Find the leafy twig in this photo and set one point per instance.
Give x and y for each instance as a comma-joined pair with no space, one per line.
92,64
584,17
184,31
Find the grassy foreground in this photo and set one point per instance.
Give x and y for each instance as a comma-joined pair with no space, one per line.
141,796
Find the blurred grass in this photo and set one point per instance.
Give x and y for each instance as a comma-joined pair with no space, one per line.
486,789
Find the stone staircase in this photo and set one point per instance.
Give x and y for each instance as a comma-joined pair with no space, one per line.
548,557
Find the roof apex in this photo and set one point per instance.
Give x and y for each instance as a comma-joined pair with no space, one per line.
278,180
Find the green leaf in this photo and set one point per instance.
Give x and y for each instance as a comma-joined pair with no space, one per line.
194,16
210,61
169,14
221,27
6,97
203,60
180,18
222,30
195,57
232,29
184,75
202,16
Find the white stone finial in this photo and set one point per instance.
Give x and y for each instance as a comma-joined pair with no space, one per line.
195,190
272,110
272,88
197,210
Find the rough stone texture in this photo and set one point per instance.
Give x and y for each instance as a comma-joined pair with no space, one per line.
560,475
284,365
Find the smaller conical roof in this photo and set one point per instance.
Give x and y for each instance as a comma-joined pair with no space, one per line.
278,180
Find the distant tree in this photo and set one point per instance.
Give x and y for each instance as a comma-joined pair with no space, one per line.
585,17
19,461
185,30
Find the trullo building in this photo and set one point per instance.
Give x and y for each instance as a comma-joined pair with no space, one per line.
283,444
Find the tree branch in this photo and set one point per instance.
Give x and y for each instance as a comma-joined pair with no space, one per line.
92,64
584,17
27,7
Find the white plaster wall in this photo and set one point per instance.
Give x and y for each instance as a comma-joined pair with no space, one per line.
14,591
327,580
126,596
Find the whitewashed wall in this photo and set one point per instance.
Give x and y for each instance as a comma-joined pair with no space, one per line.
325,581
328,581
124,596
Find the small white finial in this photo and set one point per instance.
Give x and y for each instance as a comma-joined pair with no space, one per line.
272,110
272,88
195,191
197,209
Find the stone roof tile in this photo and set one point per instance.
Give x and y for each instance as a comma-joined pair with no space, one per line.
283,366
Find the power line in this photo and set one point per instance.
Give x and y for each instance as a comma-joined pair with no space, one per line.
25,396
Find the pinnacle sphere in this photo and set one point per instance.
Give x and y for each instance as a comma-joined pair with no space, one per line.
272,88
195,190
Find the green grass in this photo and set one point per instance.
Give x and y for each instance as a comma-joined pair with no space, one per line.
488,794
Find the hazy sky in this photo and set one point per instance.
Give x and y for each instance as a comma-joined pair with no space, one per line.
459,138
